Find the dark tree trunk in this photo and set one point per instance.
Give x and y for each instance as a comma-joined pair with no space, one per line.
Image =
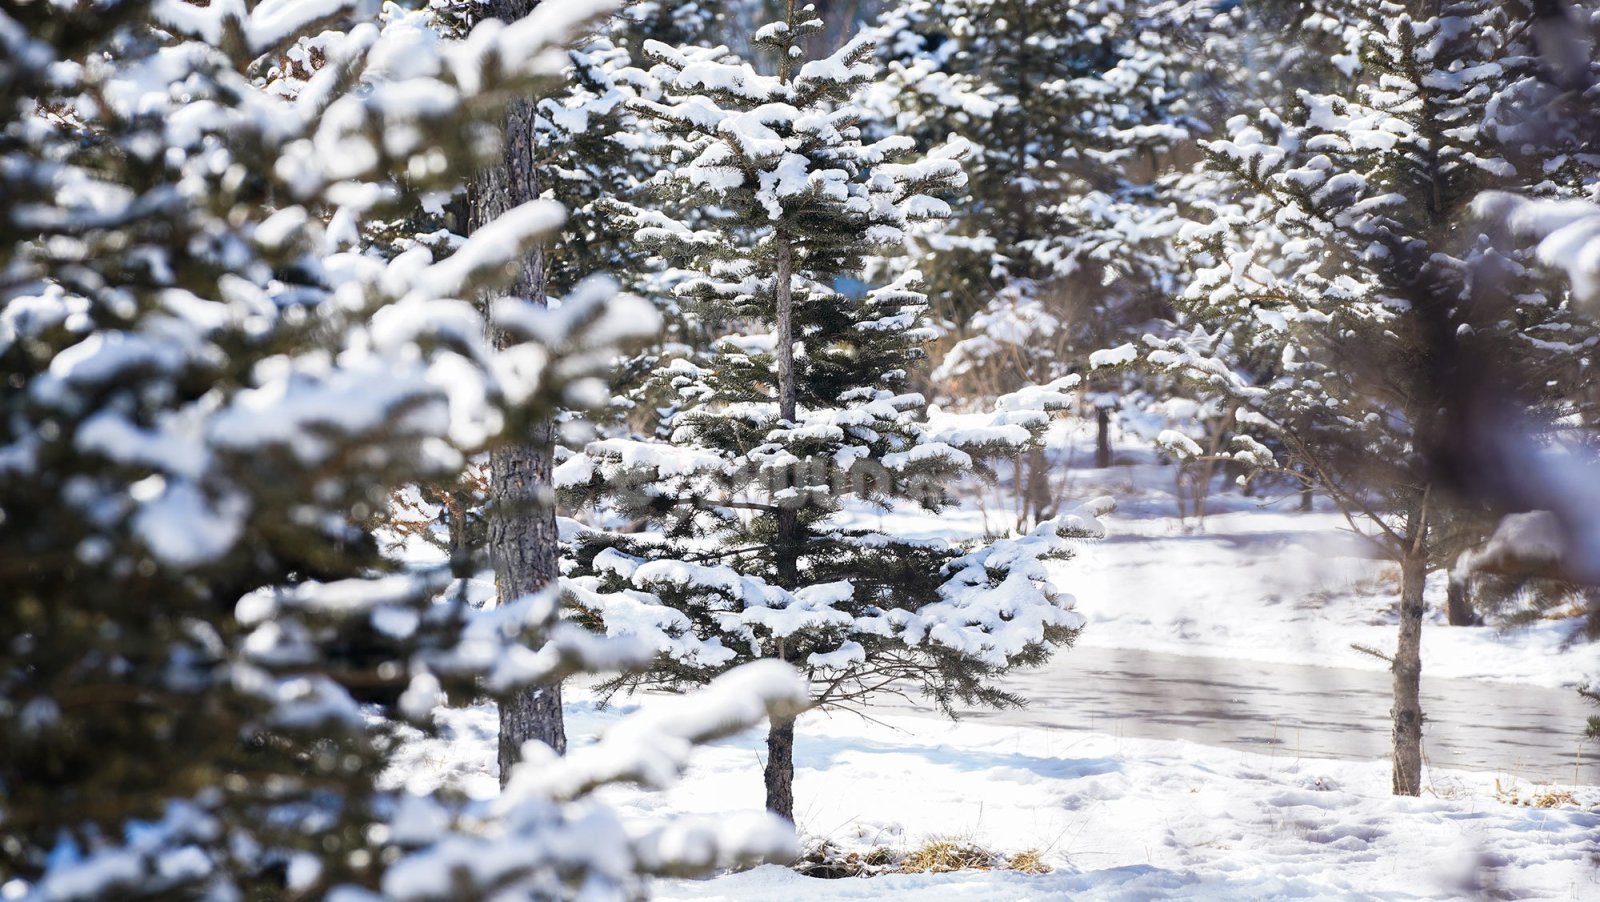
1407,669
522,519
1102,437
522,547
779,774
1458,602
1306,497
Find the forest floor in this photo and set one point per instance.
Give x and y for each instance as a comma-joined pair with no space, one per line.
1116,815
1255,580
1111,817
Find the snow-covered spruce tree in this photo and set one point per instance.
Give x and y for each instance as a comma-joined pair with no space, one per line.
1382,305
1244,56
585,149
1074,109
592,151
596,157
587,152
578,146
1231,57
801,409
584,143
581,146
1070,105
207,665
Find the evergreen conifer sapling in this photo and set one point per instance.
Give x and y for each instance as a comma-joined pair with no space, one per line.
800,413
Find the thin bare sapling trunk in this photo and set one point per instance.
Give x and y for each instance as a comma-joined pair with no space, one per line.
779,773
1407,663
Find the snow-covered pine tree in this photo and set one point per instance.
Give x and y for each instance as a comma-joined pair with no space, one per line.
801,412
1229,57
598,160
1391,319
585,143
1241,56
1070,105
521,518
211,386
586,149
1074,109
675,24
591,149
580,146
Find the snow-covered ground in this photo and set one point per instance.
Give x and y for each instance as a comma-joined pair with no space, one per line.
1115,818
1126,818
1258,580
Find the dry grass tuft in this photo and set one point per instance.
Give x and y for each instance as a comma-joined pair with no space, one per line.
941,856
1552,798
825,860
1547,797
829,862
1028,861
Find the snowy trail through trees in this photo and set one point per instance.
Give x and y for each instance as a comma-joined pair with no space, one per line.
1529,732
1265,605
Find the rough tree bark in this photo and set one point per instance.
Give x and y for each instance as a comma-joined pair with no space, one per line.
456,507
779,773
522,546
522,521
1407,670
